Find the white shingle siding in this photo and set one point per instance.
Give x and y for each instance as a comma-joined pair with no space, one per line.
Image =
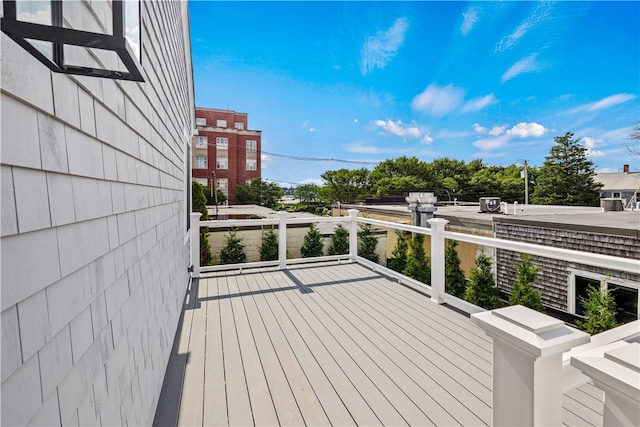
94,265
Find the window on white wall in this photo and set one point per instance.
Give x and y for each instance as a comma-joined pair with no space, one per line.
221,123
222,143
201,141
239,125
222,163
201,121
252,164
625,294
201,162
252,145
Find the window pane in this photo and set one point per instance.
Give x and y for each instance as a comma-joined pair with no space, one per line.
222,163
239,125
201,141
582,283
201,162
626,303
221,123
251,165
201,122
222,143
252,145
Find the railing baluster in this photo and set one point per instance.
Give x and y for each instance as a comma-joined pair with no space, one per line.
437,259
353,233
282,239
195,244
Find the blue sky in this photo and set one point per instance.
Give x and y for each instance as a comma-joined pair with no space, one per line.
369,81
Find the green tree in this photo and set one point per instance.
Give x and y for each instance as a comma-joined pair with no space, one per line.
307,193
567,176
417,262
600,310
346,185
339,241
312,244
259,192
399,176
482,290
523,292
454,279
233,250
199,204
269,246
368,243
211,200
398,261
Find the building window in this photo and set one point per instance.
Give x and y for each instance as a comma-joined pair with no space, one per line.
201,162
222,184
202,181
201,141
252,164
616,195
624,293
200,121
221,123
252,145
222,143
239,125
222,163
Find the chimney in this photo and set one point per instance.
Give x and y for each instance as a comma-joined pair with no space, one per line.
625,168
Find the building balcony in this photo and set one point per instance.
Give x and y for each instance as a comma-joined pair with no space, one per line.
340,340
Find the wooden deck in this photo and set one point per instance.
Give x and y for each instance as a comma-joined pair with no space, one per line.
330,344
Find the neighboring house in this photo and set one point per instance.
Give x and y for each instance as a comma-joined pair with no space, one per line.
95,244
226,150
563,282
618,185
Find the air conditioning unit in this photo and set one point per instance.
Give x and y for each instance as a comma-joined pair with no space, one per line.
489,204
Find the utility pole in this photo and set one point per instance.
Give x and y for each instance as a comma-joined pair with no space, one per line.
526,183
214,191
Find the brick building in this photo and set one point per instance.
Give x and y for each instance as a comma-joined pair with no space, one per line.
225,147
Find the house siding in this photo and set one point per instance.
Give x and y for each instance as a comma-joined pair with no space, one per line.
94,232
554,274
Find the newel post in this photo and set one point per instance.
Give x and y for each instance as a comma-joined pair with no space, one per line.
282,240
195,244
615,369
353,233
437,259
527,364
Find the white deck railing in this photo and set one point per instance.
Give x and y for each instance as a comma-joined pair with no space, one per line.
527,338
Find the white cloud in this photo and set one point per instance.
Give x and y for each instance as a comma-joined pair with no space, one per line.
497,130
313,130
265,158
315,181
305,123
355,120
438,100
453,133
525,65
607,102
39,12
470,19
526,130
478,128
541,12
492,143
378,50
427,139
590,144
398,128
371,149
478,104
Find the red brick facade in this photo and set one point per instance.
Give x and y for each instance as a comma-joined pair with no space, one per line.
220,127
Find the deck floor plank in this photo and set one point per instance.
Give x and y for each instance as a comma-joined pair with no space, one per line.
331,343
452,407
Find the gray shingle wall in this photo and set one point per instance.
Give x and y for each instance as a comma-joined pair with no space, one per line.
554,276
94,257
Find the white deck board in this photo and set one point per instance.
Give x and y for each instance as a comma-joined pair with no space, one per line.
332,344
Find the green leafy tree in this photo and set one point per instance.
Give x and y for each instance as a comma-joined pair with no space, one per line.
199,204
312,244
523,292
211,200
454,279
398,261
397,177
417,262
600,310
339,241
482,290
346,185
368,243
233,250
567,176
307,193
259,192
269,246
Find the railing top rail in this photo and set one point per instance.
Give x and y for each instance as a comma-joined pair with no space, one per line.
226,223
395,225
